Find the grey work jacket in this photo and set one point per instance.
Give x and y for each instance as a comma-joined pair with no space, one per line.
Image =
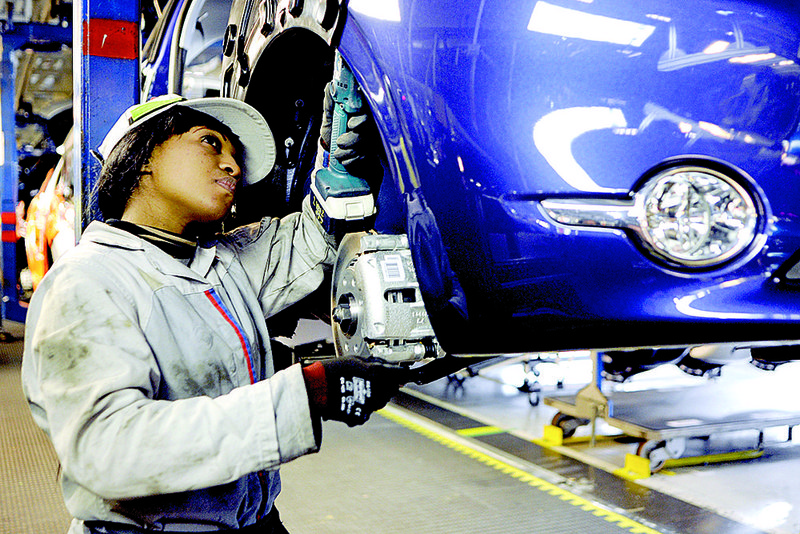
154,379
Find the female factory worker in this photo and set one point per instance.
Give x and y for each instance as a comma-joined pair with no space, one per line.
147,358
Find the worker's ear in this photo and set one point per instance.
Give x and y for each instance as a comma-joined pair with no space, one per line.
146,169
144,181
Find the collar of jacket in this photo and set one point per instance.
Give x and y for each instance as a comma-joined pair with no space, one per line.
198,269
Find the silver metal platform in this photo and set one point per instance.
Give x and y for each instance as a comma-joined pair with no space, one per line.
30,496
400,478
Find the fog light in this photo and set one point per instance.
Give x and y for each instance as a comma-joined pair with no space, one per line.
696,216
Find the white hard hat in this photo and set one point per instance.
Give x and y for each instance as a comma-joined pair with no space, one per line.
243,120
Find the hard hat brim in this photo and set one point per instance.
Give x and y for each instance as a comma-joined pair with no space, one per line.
243,120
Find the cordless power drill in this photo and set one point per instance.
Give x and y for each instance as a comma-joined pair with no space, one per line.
341,202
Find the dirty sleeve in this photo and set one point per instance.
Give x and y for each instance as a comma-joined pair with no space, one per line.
92,382
285,259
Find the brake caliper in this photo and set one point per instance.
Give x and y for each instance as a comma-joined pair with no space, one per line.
378,312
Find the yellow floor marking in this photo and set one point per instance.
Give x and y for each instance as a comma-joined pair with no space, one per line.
637,467
626,523
480,431
587,439
714,458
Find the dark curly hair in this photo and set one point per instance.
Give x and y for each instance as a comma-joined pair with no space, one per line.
122,170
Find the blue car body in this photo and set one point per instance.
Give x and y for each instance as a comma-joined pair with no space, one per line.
183,52
488,110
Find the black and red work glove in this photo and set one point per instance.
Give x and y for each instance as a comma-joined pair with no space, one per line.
349,389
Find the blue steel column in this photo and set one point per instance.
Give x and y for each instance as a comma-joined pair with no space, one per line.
11,307
106,81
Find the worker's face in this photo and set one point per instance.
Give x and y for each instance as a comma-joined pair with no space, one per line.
190,178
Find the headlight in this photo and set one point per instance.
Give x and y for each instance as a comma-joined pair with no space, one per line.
689,216
695,216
